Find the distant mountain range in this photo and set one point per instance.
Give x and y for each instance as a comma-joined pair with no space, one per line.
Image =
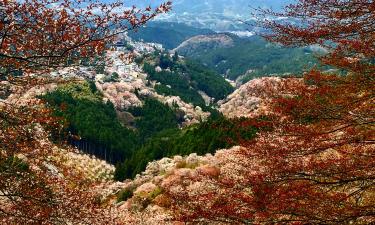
218,15
228,8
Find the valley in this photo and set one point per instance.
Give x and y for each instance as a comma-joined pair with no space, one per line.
162,112
161,105
134,115
138,123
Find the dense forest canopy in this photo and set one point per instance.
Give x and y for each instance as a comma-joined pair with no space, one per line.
255,57
203,138
185,78
93,120
156,132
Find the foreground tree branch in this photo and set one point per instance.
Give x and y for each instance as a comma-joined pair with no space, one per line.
316,164
36,37
46,34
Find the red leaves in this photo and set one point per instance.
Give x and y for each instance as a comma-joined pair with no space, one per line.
316,164
53,30
31,190
342,27
37,36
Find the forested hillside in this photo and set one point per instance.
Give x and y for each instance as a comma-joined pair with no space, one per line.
252,57
185,78
94,121
206,137
95,128
169,34
116,128
150,131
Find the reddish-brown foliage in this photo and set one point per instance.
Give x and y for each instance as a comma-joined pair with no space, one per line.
37,36
44,34
35,187
344,28
317,165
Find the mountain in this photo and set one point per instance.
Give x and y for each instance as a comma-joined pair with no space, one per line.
236,57
229,8
191,81
169,34
250,99
218,15
203,43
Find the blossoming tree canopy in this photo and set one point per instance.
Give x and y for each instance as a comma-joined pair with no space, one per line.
43,34
36,187
344,28
316,164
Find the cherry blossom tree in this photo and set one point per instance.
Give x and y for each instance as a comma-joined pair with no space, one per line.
37,36
45,34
